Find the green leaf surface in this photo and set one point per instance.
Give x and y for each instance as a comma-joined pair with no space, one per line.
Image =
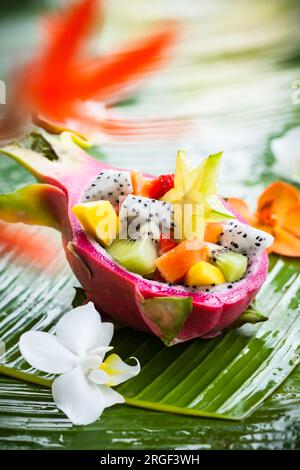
29,420
231,81
226,377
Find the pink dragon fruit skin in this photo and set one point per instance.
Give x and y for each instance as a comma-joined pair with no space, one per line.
115,291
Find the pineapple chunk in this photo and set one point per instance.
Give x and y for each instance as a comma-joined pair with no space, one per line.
99,219
203,273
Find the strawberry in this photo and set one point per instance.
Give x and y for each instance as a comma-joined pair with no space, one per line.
157,187
167,183
153,188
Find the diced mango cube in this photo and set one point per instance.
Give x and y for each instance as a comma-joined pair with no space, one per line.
203,273
99,219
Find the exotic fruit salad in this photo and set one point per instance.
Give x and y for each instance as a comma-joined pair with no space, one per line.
163,254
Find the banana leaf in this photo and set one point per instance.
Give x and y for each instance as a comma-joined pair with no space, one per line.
226,377
239,376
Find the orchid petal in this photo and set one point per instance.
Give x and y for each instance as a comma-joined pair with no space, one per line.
99,377
291,221
110,396
89,362
44,351
79,399
118,371
104,338
242,208
82,331
286,244
278,199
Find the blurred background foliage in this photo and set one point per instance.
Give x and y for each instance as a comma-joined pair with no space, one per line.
230,78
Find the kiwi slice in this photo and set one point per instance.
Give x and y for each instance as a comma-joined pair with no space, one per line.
137,256
233,265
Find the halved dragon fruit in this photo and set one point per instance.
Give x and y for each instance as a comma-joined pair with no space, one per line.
172,312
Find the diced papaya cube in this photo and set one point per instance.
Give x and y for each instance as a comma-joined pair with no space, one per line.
137,181
174,264
213,232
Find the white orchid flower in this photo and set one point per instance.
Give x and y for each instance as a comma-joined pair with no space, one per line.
286,150
76,351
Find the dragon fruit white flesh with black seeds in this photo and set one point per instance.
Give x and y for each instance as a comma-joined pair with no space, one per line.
244,239
140,216
109,185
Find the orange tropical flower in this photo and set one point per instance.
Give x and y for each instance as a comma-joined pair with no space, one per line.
65,86
277,212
